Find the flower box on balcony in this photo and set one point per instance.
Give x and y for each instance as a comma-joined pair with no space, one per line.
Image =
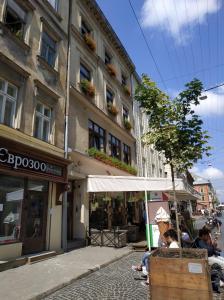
90,42
112,109
87,88
127,90
127,124
111,70
111,161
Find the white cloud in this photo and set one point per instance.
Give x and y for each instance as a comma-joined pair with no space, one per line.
174,16
213,105
212,173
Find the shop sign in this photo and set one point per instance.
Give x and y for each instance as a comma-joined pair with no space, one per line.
22,162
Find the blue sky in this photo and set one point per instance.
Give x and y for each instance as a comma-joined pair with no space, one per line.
187,41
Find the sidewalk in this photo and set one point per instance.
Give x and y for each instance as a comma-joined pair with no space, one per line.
39,279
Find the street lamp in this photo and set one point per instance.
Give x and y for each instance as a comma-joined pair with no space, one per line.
204,97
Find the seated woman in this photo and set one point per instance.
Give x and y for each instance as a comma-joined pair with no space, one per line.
171,238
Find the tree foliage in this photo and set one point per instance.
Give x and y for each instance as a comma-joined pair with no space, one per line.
174,127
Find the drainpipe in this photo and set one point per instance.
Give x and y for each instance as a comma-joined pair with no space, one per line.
65,196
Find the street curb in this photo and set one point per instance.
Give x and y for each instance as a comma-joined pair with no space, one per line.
90,271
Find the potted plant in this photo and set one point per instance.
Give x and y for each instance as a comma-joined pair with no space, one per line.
127,124
90,42
127,90
112,109
87,88
111,70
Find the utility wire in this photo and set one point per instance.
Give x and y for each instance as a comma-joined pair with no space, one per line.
196,72
191,46
167,49
147,44
181,41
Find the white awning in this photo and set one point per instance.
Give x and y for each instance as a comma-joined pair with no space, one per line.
100,183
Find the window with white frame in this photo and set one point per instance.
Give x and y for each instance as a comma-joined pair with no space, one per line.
123,79
85,73
8,97
107,57
15,18
54,4
109,96
85,28
125,114
43,118
48,49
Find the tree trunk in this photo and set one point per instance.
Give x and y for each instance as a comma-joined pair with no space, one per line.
175,204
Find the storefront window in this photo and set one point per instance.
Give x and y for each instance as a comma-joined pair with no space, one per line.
11,196
107,211
99,209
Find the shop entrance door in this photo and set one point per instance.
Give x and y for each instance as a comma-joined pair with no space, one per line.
34,221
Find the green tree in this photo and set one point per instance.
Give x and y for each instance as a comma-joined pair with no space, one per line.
174,128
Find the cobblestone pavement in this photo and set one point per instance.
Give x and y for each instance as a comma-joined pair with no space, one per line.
116,281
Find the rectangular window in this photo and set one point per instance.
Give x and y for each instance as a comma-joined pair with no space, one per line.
15,18
54,4
84,73
8,97
42,122
127,154
97,137
85,29
107,58
125,114
115,147
109,96
123,79
11,196
48,49
153,170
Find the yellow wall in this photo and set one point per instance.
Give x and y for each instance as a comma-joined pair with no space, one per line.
53,221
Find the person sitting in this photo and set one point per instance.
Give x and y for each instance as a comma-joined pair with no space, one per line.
144,262
171,238
186,241
205,242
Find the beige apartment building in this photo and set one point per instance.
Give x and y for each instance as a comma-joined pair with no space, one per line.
100,119
50,62
33,172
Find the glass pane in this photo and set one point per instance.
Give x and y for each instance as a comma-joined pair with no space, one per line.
39,107
40,186
35,214
9,108
51,57
46,130
1,107
11,91
2,85
37,132
54,4
84,73
11,196
47,112
90,124
44,50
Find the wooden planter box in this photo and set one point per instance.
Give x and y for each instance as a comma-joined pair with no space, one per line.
180,274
